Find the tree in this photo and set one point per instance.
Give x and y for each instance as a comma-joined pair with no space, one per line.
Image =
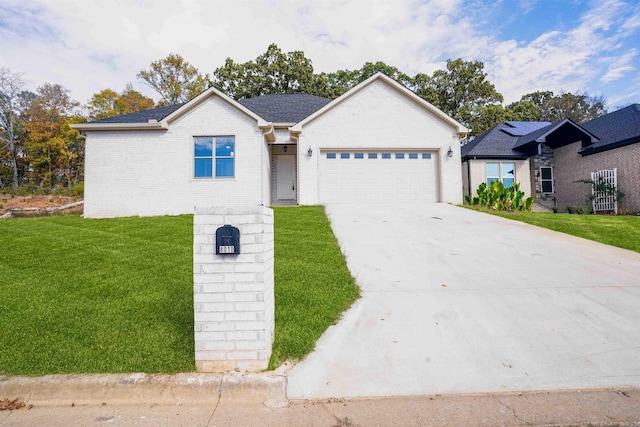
552,108
332,85
174,79
11,91
461,90
48,140
273,72
108,103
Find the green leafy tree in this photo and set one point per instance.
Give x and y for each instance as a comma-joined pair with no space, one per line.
273,72
174,79
461,90
332,85
108,103
549,107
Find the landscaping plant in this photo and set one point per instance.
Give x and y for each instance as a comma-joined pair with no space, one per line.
496,196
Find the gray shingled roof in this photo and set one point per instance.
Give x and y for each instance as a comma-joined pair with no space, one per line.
615,129
500,141
610,131
285,108
142,116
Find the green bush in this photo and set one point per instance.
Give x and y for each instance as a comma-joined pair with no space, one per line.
498,197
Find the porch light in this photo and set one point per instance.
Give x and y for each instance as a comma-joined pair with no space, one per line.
450,152
285,148
309,152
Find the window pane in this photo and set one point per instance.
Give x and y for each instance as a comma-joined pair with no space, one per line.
413,155
547,187
373,155
331,155
545,173
224,167
508,170
493,170
202,168
358,156
386,155
399,155
490,180
344,155
426,155
203,147
224,147
508,182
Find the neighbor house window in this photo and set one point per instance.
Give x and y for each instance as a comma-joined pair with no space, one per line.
546,180
358,156
214,157
504,172
331,155
386,155
344,155
372,155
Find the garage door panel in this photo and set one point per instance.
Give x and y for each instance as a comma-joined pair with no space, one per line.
374,178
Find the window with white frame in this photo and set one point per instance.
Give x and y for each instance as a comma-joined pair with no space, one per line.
504,172
546,179
214,157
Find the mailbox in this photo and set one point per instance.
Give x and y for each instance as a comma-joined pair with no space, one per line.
227,240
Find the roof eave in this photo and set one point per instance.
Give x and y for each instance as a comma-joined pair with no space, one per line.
85,127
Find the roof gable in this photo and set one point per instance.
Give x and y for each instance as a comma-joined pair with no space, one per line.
461,129
161,118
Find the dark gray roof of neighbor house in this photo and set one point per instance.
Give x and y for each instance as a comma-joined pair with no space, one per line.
142,116
500,141
615,129
285,108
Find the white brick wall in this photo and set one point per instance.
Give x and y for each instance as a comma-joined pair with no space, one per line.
233,294
151,172
380,117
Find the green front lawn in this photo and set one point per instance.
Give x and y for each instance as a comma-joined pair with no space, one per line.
116,295
620,231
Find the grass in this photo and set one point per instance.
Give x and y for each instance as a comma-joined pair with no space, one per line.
620,231
89,296
116,295
313,284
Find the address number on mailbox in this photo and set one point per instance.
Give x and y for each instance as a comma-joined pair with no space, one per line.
227,240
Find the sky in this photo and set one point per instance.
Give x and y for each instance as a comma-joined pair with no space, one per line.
578,46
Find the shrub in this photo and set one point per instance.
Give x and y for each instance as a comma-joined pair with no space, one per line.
498,197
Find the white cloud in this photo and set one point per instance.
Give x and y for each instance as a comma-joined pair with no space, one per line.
620,67
88,46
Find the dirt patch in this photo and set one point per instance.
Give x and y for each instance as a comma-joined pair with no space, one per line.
38,205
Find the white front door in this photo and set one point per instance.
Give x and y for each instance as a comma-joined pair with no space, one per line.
286,177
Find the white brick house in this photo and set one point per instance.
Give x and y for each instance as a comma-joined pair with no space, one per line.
379,142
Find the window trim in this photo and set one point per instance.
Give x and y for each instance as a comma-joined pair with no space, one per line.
553,189
500,177
214,157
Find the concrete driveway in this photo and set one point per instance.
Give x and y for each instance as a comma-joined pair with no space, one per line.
459,301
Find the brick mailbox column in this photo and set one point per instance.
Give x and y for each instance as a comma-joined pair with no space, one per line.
233,293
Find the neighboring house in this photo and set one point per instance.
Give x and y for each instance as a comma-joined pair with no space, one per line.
379,142
549,159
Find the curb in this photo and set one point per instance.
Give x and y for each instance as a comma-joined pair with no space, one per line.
140,388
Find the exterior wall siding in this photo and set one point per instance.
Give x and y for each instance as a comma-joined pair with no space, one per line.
477,171
143,173
379,117
573,167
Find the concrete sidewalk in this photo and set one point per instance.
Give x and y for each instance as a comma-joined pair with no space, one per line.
260,400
